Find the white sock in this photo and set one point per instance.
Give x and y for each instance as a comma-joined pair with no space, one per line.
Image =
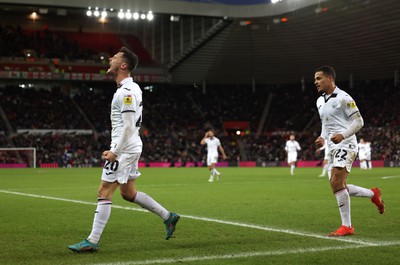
363,165
212,173
216,171
150,204
292,168
369,164
101,216
357,191
343,199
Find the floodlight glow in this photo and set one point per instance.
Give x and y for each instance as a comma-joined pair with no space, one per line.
275,1
150,16
103,14
136,16
96,13
143,16
34,15
121,14
89,13
128,14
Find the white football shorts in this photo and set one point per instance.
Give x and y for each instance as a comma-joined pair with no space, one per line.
292,157
125,168
341,158
212,159
362,155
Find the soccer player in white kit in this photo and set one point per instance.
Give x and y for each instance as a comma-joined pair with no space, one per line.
326,159
213,145
121,161
341,119
364,154
291,148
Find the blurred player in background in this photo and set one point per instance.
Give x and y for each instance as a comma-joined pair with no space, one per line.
291,148
121,166
364,154
341,119
325,161
213,145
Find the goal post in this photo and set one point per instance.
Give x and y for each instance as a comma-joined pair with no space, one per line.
18,157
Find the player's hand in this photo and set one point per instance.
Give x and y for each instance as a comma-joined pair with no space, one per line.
337,138
109,156
319,142
224,157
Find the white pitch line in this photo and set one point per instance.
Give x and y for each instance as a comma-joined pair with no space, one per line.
390,177
258,227
239,255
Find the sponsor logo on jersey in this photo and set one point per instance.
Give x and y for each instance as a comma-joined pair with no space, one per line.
352,105
128,99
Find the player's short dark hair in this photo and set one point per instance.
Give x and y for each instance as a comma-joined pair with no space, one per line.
130,58
327,70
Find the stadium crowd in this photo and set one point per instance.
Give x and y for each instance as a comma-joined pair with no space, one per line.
175,119
46,44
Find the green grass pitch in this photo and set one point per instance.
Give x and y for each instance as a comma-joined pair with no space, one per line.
251,216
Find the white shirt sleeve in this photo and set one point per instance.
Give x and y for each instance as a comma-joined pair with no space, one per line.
357,123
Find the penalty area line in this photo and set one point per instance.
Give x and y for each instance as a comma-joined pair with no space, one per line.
240,255
244,225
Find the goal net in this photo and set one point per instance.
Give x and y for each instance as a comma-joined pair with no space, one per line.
18,157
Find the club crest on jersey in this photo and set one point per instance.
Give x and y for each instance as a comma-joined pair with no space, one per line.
128,99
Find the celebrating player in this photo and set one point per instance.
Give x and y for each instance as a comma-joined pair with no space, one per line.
341,119
291,148
121,166
213,145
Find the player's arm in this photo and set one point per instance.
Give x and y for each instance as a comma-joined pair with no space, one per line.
321,139
357,122
221,149
127,130
203,141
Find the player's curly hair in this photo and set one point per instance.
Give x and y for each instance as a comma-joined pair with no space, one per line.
130,58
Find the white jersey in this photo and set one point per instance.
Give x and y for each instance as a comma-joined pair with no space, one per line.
334,111
127,98
292,146
212,146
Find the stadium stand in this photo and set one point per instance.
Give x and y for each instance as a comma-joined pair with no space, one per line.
176,117
63,51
